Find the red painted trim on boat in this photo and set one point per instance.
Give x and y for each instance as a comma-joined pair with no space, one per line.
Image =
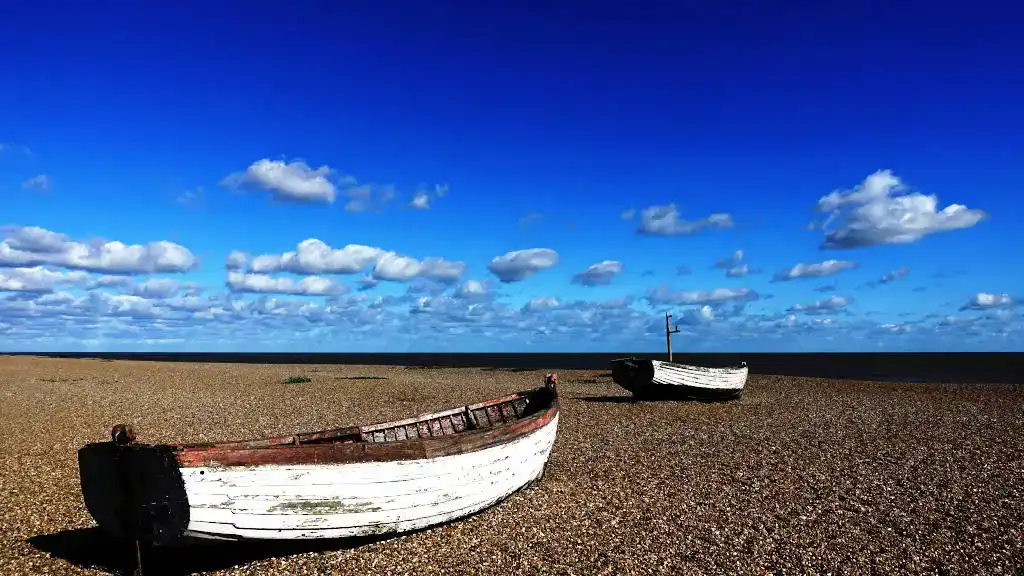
279,451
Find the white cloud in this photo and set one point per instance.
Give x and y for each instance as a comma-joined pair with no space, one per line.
40,182
106,281
731,261
262,283
882,211
34,246
698,316
665,221
397,268
541,304
236,260
600,274
829,305
740,271
368,197
420,201
519,265
38,279
313,256
287,181
662,295
985,301
472,289
894,275
367,282
821,269
157,288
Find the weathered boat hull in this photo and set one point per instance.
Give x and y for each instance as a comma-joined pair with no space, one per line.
378,479
656,379
343,500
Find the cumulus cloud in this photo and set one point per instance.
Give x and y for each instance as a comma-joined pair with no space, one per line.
731,261
397,268
826,268
369,197
236,260
38,279
881,210
666,221
662,295
541,304
472,290
420,201
295,181
519,265
698,316
741,271
829,305
39,182
600,274
157,288
367,282
894,275
263,283
314,256
33,246
985,301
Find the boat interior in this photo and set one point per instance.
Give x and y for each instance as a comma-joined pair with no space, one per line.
488,414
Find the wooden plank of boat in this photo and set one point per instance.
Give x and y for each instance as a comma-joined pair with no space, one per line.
658,378
381,478
672,374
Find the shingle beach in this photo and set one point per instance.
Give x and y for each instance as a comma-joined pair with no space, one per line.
800,476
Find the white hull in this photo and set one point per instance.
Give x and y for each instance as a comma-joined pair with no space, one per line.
343,500
699,377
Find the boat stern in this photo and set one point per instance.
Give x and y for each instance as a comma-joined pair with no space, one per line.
631,373
134,491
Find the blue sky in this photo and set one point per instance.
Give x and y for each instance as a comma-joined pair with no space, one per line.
435,176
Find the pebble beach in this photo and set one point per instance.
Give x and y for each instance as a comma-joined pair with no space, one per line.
799,476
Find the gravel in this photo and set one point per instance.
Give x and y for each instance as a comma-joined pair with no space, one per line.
800,476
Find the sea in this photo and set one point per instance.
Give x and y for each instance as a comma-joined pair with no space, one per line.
963,367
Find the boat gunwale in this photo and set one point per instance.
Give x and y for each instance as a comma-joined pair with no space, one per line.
284,451
695,367
740,366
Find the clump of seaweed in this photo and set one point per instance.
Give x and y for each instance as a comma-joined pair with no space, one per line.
297,380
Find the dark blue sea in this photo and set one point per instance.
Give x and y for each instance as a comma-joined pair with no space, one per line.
999,367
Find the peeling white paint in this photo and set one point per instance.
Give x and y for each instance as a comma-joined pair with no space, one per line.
341,500
672,374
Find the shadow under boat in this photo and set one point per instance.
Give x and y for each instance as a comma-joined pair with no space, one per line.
642,399
96,549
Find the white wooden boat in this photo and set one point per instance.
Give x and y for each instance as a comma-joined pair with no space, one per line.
375,479
655,378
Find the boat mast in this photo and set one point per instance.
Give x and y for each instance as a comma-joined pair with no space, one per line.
668,335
